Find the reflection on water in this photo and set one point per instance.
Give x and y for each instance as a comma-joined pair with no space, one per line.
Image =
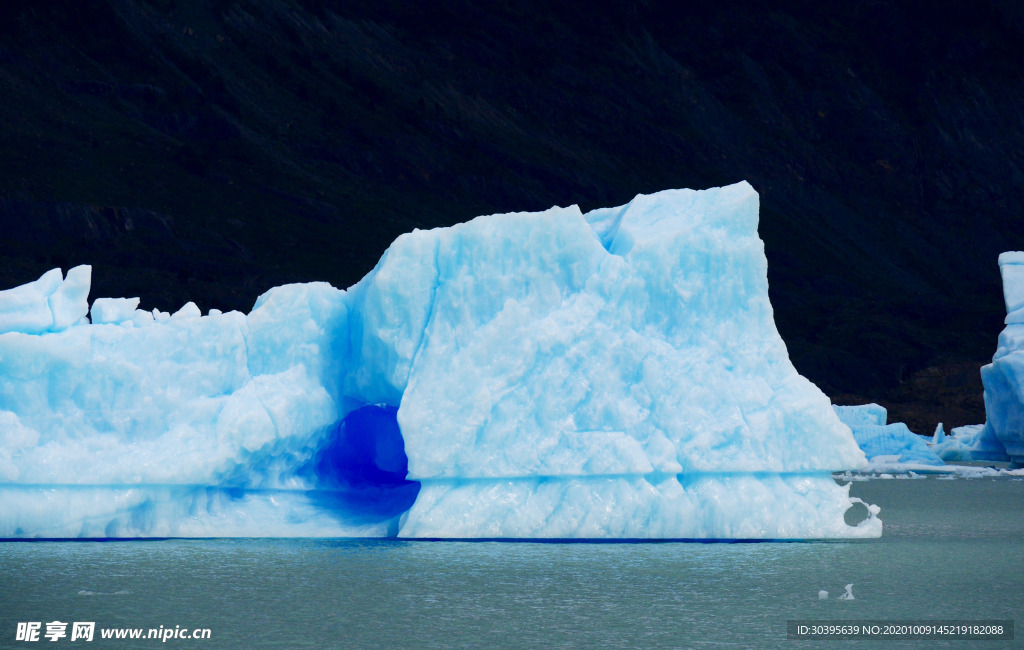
951,549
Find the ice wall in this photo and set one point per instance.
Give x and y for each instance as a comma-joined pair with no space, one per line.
554,374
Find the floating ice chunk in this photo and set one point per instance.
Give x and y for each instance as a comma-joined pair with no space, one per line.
897,442
848,594
971,442
822,595
888,447
113,310
939,436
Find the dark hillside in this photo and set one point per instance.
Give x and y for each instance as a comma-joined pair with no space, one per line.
210,150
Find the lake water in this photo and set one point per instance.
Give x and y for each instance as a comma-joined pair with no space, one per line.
952,549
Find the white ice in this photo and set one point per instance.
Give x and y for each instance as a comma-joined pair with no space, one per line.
49,304
555,374
1001,438
972,442
888,447
1004,377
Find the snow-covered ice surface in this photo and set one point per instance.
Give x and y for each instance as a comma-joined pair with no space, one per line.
888,447
615,374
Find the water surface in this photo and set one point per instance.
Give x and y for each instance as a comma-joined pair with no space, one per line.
952,549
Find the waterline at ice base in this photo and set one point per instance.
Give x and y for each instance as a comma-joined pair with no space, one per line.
559,375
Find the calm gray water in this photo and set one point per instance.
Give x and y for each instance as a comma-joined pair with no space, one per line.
952,549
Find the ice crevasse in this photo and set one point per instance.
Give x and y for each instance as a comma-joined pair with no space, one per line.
614,374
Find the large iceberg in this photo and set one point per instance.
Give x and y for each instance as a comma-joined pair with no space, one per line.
615,374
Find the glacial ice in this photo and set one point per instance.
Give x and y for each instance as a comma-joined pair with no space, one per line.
615,374
888,447
1004,377
971,442
49,304
1001,438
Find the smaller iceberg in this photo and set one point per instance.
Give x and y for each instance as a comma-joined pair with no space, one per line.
1001,438
888,447
970,443
1004,377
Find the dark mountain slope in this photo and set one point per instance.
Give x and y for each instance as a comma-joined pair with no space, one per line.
211,150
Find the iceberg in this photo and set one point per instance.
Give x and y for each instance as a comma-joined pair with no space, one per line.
1001,438
971,442
888,447
614,374
1004,377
